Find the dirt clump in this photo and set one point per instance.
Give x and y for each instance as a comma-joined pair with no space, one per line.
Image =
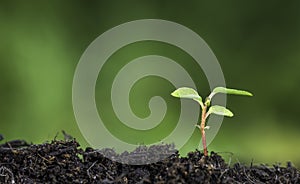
65,162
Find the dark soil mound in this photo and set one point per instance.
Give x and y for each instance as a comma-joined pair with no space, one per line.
64,162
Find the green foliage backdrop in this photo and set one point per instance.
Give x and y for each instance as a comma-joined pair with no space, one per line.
256,42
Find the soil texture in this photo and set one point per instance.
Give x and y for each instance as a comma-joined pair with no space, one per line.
64,162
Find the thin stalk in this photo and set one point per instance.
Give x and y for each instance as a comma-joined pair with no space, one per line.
202,129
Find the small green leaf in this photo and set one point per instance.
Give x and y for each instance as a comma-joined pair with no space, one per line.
206,127
189,93
219,110
229,91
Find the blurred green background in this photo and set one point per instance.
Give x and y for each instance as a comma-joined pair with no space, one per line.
257,44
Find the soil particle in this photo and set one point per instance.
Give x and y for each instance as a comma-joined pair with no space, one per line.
65,162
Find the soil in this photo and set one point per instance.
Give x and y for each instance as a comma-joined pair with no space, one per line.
65,162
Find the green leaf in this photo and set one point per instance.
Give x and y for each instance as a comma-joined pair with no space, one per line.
219,110
206,127
229,91
185,92
189,93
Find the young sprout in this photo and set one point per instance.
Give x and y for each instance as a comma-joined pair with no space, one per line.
206,107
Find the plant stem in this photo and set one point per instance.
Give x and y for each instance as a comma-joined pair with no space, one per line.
202,129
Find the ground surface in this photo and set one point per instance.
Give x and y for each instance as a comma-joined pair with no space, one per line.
65,162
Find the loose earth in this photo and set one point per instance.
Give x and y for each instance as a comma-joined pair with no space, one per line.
65,162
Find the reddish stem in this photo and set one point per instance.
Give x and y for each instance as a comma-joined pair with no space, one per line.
202,129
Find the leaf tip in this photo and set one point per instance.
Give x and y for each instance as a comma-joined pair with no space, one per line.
250,94
175,93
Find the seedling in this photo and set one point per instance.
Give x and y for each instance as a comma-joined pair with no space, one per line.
207,109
